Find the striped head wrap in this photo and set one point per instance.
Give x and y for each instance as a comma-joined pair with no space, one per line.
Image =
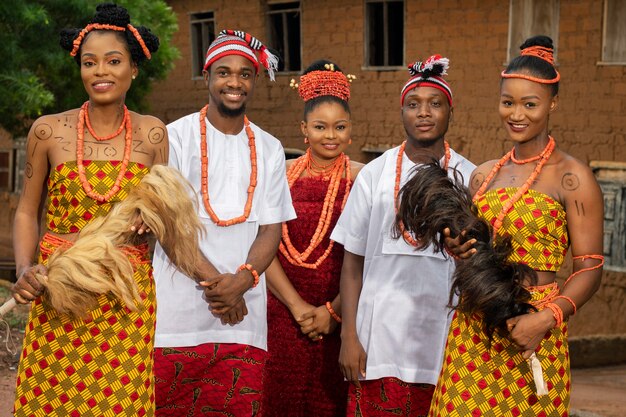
428,74
237,42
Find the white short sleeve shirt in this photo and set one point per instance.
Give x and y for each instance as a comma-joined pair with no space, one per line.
402,316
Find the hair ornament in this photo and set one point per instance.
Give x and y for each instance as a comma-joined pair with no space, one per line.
327,82
547,54
103,26
293,84
541,52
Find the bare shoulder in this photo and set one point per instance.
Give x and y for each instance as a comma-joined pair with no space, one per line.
49,123
479,175
150,127
574,174
355,168
146,120
47,128
486,166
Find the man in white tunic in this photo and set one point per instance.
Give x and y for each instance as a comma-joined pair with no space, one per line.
394,298
208,358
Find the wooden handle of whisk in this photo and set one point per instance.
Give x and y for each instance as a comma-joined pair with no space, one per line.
7,306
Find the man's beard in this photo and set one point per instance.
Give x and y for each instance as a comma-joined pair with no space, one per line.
230,113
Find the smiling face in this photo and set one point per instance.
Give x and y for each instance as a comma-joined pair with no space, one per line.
328,129
426,114
231,83
525,107
106,66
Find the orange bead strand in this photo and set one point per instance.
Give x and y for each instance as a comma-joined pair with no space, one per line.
542,157
340,168
396,189
93,132
80,148
255,274
205,173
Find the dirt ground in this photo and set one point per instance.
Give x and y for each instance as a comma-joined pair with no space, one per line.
9,349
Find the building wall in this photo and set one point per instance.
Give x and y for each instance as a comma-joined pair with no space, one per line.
590,122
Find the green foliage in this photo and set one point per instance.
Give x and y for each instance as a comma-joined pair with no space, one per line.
39,77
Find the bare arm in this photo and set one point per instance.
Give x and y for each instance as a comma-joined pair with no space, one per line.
352,357
28,213
157,134
278,282
584,208
157,137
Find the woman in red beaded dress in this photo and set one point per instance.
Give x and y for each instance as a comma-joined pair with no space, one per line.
302,375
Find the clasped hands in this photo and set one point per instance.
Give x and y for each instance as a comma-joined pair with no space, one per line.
224,294
314,322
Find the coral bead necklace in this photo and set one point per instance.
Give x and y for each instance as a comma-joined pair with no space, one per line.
339,166
93,132
315,169
396,189
542,158
205,173
80,143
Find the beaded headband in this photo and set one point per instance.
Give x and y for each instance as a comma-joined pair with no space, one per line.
237,42
103,26
428,74
324,83
541,52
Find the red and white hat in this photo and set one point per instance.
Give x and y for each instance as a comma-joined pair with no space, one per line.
237,42
428,74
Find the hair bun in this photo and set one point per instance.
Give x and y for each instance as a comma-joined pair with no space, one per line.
67,38
149,38
112,14
540,40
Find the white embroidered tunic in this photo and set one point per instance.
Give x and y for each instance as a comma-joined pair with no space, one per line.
183,316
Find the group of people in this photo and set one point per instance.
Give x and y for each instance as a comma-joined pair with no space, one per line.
312,298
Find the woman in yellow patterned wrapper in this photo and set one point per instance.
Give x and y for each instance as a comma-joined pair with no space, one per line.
545,201
87,160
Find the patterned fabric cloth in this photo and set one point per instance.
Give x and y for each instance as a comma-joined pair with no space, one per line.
69,208
485,379
97,366
495,381
310,369
210,379
388,397
536,224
